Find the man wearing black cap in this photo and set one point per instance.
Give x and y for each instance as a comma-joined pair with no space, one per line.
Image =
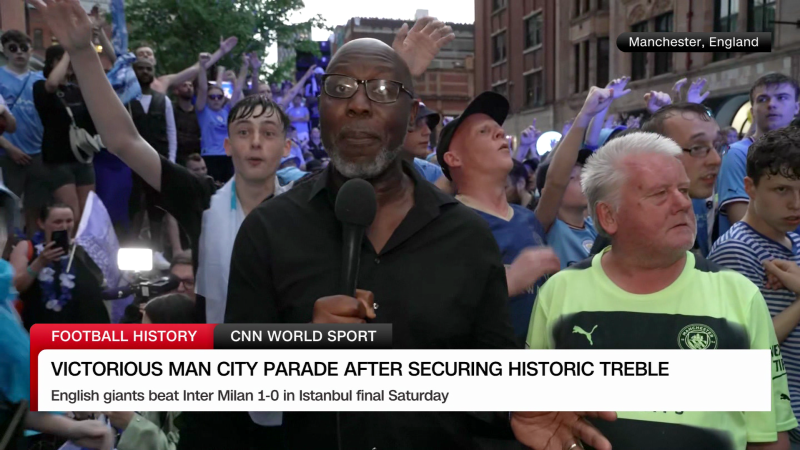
474,153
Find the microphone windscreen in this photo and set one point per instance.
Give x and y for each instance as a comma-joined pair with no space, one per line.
356,203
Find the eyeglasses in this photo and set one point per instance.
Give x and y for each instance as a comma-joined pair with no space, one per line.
215,96
188,284
12,48
379,91
701,151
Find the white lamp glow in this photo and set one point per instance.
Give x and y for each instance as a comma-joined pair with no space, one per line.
135,259
543,145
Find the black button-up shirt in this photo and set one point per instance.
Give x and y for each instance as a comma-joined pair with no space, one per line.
439,281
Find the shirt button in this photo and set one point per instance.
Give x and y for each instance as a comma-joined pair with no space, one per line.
377,260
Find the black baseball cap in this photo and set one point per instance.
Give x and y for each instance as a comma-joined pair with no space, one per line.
541,173
490,103
432,117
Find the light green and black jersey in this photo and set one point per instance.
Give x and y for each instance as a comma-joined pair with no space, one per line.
706,308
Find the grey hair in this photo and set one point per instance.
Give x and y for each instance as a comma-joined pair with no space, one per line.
603,174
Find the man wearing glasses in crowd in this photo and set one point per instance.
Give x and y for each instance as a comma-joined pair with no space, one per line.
691,126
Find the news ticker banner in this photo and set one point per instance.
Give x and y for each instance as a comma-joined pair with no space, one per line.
307,367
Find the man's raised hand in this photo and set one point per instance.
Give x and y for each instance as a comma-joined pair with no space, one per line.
419,45
203,60
226,45
695,93
656,100
68,22
597,100
618,86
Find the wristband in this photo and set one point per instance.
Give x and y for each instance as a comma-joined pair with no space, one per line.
32,272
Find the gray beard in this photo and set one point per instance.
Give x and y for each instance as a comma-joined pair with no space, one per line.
364,171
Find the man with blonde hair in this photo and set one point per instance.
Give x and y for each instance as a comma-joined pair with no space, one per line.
647,290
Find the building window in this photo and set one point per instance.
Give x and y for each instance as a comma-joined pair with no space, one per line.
585,70
726,14
499,47
577,10
534,89
760,14
602,4
602,61
639,59
577,72
38,39
533,31
663,60
501,89
498,4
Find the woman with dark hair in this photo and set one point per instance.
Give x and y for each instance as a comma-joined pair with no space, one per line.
54,285
169,308
69,179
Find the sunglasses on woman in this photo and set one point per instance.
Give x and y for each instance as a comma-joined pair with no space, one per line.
215,96
12,48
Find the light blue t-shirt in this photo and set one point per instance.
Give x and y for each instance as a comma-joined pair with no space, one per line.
572,245
745,250
213,130
429,171
730,185
17,90
296,112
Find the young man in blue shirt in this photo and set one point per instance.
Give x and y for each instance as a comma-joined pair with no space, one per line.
21,158
474,153
774,99
765,235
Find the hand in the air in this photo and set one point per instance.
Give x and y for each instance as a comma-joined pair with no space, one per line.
656,100
618,86
226,45
203,59
419,45
68,22
597,100
695,93
677,88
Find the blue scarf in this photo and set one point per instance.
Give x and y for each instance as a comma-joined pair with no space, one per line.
66,280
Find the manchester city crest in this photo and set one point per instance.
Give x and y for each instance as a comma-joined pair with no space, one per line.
697,337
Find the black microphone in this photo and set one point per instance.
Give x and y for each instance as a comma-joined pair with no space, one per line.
355,209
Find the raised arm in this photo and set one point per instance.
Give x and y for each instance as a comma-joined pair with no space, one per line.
202,82
296,88
419,45
240,80
592,138
58,74
190,73
70,24
255,64
108,47
566,154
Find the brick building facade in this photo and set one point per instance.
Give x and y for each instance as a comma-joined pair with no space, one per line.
583,41
448,84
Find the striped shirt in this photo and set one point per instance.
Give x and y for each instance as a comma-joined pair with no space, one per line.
744,250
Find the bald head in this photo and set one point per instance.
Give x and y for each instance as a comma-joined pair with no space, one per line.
371,51
362,135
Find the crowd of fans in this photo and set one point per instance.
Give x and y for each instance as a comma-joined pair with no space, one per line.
616,226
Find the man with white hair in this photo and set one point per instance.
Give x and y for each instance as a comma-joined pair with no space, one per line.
648,291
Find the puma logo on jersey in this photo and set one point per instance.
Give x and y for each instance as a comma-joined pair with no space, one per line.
579,330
